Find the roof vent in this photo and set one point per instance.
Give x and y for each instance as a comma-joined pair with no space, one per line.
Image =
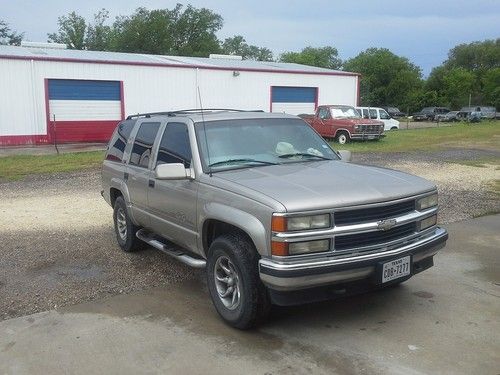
25,43
228,57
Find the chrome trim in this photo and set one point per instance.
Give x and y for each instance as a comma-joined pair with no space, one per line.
349,229
274,264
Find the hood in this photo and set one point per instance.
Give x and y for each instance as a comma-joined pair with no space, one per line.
326,184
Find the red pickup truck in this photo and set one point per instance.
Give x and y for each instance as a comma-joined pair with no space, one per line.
343,123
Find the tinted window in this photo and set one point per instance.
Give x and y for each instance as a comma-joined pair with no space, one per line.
324,113
384,115
119,140
143,143
174,145
373,113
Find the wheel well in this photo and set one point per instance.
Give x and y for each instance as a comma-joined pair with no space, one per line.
215,228
340,131
113,194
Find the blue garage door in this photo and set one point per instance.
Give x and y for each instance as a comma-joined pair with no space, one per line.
293,100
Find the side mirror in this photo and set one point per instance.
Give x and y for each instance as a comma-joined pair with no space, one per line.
345,155
172,171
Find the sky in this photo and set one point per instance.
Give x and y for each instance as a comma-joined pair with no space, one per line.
423,30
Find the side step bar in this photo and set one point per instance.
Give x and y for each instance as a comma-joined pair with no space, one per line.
145,236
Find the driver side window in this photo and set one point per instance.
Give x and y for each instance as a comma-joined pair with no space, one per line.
324,113
174,145
384,115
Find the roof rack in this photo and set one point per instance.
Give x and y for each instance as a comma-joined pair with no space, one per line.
186,111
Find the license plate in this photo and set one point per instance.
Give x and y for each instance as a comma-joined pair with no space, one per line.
371,137
395,269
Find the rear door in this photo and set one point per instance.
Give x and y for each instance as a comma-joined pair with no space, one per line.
138,172
172,203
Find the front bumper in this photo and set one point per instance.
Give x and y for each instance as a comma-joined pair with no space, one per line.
366,136
296,276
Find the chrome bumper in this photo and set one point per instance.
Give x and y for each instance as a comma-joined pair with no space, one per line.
295,276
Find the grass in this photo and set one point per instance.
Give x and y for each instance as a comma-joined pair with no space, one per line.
485,135
20,166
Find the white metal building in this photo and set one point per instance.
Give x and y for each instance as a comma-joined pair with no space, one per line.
56,95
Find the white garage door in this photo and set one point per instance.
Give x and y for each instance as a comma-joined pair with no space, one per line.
294,100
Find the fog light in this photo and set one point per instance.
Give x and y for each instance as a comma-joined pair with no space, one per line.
427,222
295,248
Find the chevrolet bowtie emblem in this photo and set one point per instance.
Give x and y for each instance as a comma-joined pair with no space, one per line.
386,224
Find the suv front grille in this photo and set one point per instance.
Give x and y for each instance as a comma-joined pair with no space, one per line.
358,240
363,215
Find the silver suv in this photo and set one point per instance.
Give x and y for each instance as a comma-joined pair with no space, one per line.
267,206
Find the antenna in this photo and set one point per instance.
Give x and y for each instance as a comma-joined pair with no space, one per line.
205,132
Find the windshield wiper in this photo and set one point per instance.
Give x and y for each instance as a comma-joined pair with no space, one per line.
291,155
229,161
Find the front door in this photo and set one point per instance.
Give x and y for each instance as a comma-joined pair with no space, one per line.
172,203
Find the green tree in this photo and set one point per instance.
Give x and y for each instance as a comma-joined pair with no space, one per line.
387,79
476,56
99,35
491,87
237,45
323,57
458,83
71,31
8,36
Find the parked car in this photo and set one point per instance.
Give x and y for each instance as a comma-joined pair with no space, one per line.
483,112
343,123
451,116
394,112
380,114
271,211
429,113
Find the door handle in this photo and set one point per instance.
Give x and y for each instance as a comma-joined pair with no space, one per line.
151,183
125,176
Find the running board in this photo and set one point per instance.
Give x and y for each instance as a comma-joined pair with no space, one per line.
145,236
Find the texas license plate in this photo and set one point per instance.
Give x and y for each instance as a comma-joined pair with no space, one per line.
396,268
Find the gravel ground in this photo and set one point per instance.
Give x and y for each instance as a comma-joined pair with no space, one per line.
57,243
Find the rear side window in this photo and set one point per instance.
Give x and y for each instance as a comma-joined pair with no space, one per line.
119,140
373,113
143,143
174,145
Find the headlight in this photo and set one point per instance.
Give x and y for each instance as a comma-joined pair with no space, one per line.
427,222
295,248
427,202
284,224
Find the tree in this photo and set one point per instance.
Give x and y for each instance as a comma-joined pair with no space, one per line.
8,36
458,83
71,31
475,56
188,32
491,87
387,79
323,57
237,46
98,36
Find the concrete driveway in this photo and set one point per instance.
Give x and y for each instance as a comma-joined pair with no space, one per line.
443,321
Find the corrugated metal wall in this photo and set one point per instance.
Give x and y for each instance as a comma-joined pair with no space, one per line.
23,110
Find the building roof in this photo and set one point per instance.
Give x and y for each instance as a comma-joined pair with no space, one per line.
120,58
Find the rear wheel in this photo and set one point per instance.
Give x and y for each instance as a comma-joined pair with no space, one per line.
233,281
125,230
343,137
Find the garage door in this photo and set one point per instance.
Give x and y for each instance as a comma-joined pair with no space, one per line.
83,110
294,100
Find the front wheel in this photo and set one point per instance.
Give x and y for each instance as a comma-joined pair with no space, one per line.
233,281
343,137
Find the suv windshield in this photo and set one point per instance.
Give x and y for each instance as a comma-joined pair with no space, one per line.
259,142
344,111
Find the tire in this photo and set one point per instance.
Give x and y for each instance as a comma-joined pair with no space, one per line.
237,254
125,230
394,128
342,137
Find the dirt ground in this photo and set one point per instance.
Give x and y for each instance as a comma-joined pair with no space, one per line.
57,245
